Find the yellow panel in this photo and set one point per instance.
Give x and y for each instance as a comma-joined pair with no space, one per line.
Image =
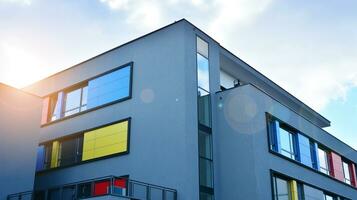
105,141
54,155
293,190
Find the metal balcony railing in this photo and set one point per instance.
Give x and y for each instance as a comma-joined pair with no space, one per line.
115,187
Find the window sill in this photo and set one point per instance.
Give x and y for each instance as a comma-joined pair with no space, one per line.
309,168
86,111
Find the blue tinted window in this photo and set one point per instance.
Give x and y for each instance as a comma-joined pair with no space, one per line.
40,158
304,150
287,143
202,73
110,87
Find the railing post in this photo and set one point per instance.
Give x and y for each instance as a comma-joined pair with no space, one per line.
111,185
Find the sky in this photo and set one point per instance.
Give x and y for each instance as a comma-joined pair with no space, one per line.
307,47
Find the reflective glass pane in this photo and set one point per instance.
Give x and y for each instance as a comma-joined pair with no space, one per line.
287,143
84,95
346,172
323,161
73,102
206,172
281,189
313,193
204,110
205,196
109,87
203,73
328,197
205,144
68,152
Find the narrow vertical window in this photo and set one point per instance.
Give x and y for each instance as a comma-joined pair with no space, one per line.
346,172
202,67
287,140
323,161
204,121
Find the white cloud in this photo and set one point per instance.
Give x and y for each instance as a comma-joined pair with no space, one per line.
116,4
21,2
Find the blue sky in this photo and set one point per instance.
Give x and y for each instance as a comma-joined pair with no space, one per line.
307,47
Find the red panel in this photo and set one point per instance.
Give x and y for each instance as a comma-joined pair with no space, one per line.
336,166
121,183
45,107
101,188
353,174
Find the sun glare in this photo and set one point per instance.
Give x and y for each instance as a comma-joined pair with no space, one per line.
20,66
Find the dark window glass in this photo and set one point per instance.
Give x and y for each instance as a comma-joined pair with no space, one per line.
206,172
48,154
40,195
205,196
205,144
311,193
84,190
68,192
281,189
204,110
71,151
54,194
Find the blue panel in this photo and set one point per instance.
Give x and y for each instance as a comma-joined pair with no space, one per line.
109,87
304,153
314,156
40,158
274,135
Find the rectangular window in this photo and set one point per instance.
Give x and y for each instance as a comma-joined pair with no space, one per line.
346,172
287,140
105,141
75,100
202,67
281,189
104,89
313,193
100,142
109,87
70,151
323,161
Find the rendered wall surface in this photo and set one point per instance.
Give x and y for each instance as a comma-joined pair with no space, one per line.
163,111
242,158
20,117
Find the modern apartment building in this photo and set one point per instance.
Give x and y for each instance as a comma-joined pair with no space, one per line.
20,114
174,115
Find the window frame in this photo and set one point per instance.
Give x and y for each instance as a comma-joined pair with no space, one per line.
273,148
280,175
327,160
80,87
62,118
81,134
348,181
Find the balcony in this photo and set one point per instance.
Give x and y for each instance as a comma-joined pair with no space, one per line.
104,188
